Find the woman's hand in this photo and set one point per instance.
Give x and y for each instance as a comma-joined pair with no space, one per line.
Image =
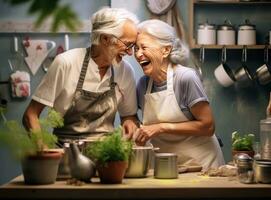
144,133
130,126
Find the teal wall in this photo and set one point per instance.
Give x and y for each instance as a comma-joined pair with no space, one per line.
234,108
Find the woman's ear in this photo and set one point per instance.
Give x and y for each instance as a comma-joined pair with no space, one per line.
166,51
105,39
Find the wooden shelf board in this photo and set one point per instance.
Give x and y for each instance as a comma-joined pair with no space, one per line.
229,46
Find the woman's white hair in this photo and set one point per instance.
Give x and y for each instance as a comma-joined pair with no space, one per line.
110,21
166,36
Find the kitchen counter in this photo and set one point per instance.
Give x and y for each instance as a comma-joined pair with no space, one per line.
187,186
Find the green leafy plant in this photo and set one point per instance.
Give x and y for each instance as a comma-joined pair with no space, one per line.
110,148
242,142
61,14
22,142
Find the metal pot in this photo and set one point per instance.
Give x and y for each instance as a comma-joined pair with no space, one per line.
262,170
165,166
247,34
206,34
226,34
242,75
263,73
223,73
140,161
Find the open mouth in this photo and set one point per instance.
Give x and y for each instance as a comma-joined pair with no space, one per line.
144,63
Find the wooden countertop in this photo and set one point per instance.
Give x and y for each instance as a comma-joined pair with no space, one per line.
188,185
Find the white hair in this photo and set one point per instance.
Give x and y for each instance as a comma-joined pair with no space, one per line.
110,21
165,35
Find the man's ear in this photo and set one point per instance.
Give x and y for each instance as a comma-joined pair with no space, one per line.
166,51
105,39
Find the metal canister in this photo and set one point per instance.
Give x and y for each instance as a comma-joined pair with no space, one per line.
206,34
245,168
165,166
265,136
226,34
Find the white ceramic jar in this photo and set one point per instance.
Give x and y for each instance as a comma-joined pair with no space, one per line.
226,34
247,34
206,34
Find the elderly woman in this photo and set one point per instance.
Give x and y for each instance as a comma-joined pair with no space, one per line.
89,85
176,113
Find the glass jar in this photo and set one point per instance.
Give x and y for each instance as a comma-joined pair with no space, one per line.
245,168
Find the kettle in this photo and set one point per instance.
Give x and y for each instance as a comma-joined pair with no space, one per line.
81,167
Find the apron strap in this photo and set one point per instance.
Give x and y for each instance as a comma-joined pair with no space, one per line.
169,80
83,71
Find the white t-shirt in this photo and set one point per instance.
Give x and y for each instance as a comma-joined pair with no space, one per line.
58,86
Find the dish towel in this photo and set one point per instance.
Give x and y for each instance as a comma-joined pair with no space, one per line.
20,84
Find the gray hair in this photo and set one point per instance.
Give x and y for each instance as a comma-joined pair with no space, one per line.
166,36
109,21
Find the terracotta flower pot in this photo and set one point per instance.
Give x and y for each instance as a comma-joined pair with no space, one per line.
112,172
42,168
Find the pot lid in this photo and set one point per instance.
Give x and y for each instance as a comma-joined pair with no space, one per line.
206,25
247,26
243,157
226,26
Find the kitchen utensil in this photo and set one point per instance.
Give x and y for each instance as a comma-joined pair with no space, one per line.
165,166
245,168
81,167
242,75
226,34
223,73
262,171
189,168
247,33
140,161
263,73
265,138
206,34
37,51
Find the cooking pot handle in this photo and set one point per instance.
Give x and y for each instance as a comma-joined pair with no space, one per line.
156,148
244,54
224,55
266,54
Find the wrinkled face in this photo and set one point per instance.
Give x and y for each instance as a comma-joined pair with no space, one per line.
149,54
124,44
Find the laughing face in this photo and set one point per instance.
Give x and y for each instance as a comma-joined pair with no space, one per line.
125,43
150,55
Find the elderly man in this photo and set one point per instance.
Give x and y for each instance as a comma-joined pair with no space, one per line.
89,85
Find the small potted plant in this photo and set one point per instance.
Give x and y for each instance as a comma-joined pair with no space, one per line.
111,154
242,144
34,149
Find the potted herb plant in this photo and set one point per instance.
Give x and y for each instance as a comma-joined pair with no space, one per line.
111,154
242,144
34,149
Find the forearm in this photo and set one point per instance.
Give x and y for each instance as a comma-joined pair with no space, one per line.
132,118
191,128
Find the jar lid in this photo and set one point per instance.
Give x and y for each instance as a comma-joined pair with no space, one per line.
207,26
226,26
165,155
243,157
247,26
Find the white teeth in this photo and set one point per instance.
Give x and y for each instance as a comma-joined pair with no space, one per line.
143,62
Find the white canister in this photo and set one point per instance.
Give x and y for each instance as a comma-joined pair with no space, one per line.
206,34
226,34
247,34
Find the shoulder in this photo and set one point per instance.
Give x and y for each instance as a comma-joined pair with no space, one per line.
124,68
187,75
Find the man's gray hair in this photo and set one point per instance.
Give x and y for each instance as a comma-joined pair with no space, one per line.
110,21
166,36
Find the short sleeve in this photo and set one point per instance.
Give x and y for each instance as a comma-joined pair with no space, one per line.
52,83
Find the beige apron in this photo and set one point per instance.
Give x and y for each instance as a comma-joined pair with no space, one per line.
163,107
91,114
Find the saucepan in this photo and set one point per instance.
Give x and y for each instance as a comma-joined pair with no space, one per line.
263,73
242,74
223,73
140,160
